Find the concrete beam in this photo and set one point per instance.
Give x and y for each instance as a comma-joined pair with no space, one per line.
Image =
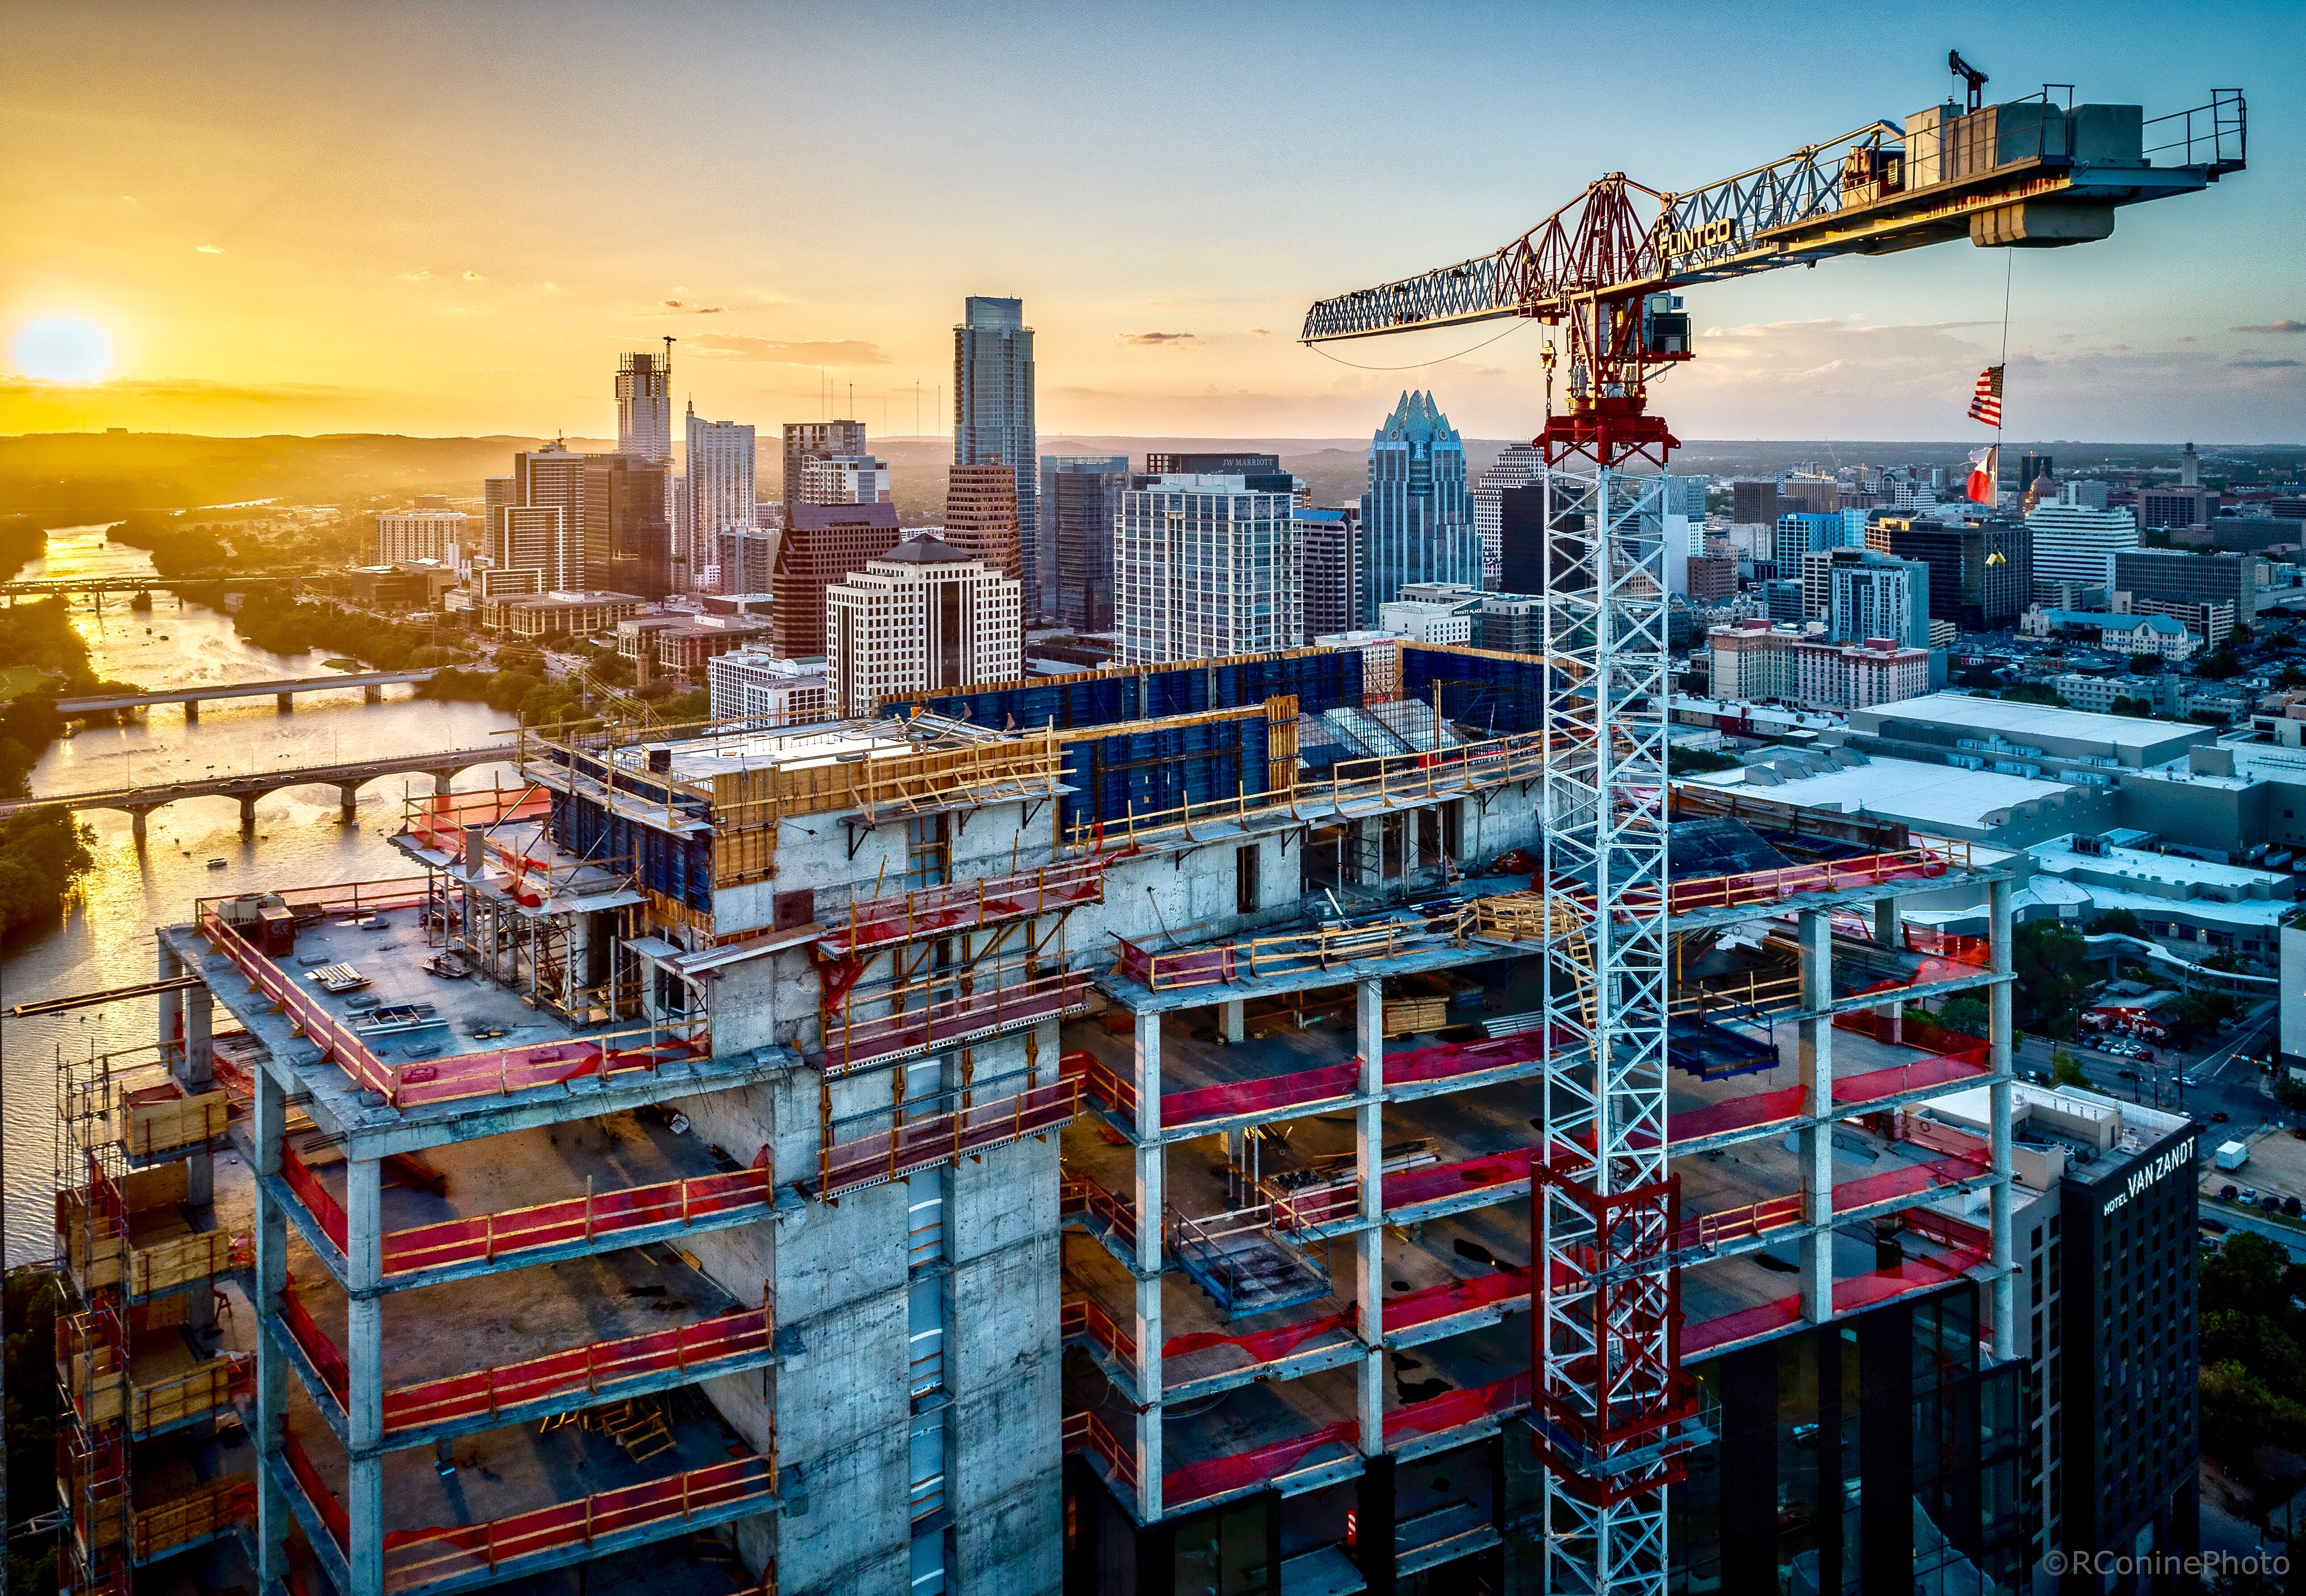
1146,1071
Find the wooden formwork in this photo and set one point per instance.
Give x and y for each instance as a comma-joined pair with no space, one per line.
164,1118
203,1512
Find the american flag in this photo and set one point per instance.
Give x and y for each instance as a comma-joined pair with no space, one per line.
1985,402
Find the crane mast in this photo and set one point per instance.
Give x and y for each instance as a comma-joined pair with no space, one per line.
1612,1412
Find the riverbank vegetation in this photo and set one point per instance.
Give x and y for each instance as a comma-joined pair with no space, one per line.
43,853
22,541
29,1422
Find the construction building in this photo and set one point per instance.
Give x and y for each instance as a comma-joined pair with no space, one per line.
1068,1133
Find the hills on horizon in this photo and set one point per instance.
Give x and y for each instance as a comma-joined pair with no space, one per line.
88,475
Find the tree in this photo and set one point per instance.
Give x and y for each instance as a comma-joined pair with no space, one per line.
2064,1070
2290,1094
2052,976
2292,677
1967,1015
2032,692
1695,762
2145,664
2136,708
2220,666
2116,922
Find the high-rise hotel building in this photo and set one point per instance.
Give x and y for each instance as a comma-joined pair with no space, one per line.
645,405
1205,567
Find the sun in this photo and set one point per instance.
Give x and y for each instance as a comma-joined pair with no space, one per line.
63,349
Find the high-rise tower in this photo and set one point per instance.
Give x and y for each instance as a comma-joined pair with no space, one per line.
644,405
1418,515
719,491
993,414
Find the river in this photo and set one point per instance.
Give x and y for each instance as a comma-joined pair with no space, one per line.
105,937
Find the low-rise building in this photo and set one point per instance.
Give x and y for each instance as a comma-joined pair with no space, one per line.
578,614
1427,622
2164,636
752,684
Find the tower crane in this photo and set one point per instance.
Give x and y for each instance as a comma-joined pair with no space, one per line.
1612,1412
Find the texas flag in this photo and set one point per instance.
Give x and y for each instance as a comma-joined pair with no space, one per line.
1986,474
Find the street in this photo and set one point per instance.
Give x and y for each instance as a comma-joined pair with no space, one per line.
2225,1081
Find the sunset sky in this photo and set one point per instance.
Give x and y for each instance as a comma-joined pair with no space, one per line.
443,219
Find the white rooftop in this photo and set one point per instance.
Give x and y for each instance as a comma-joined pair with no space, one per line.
2057,856
1921,794
1959,711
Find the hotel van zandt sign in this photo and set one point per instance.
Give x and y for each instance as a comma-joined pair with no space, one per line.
2147,1173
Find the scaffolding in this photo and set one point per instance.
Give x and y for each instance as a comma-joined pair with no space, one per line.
125,1125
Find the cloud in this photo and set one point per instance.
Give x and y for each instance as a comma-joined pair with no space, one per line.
207,248
2264,362
416,276
1153,340
690,310
2185,337
190,389
2287,324
475,276
1260,332
842,352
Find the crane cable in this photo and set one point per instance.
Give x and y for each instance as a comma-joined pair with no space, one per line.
1519,322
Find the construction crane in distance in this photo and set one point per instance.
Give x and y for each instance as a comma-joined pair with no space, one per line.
1612,1412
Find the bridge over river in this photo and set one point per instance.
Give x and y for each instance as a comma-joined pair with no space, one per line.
284,691
347,778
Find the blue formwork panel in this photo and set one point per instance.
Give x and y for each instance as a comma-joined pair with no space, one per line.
1497,693
679,867
1157,769
1318,679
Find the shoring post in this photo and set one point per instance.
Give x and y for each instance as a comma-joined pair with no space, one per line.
1998,1111
1814,1051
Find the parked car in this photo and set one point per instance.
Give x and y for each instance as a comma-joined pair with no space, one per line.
2250,1195
2291,1206
2228,1193
2270,1203
2146,1055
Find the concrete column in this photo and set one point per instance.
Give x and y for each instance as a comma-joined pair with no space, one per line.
199,1075
1235,1020
2002,1036
1815,1056
192,710
1147,1079
283,702
136,818
441,780
274,1519
168,968
1888,934
1369,1243
348,802
364,1362
372,694
248,812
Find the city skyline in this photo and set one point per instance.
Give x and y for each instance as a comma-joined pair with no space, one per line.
403,263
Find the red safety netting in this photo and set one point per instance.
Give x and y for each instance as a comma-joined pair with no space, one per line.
1737,1114
306,1332
1941,1070
932,1140
1265,1345
1215,1476
1463,1058
1904,1182
585,1373
332,1512
1416,1308
853,1043
1862,1291
1327,1205
923,911
422,1556
1957,1234
1908,1030
1257,1096
1453,1408
1976,952
325,1210
495,1236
